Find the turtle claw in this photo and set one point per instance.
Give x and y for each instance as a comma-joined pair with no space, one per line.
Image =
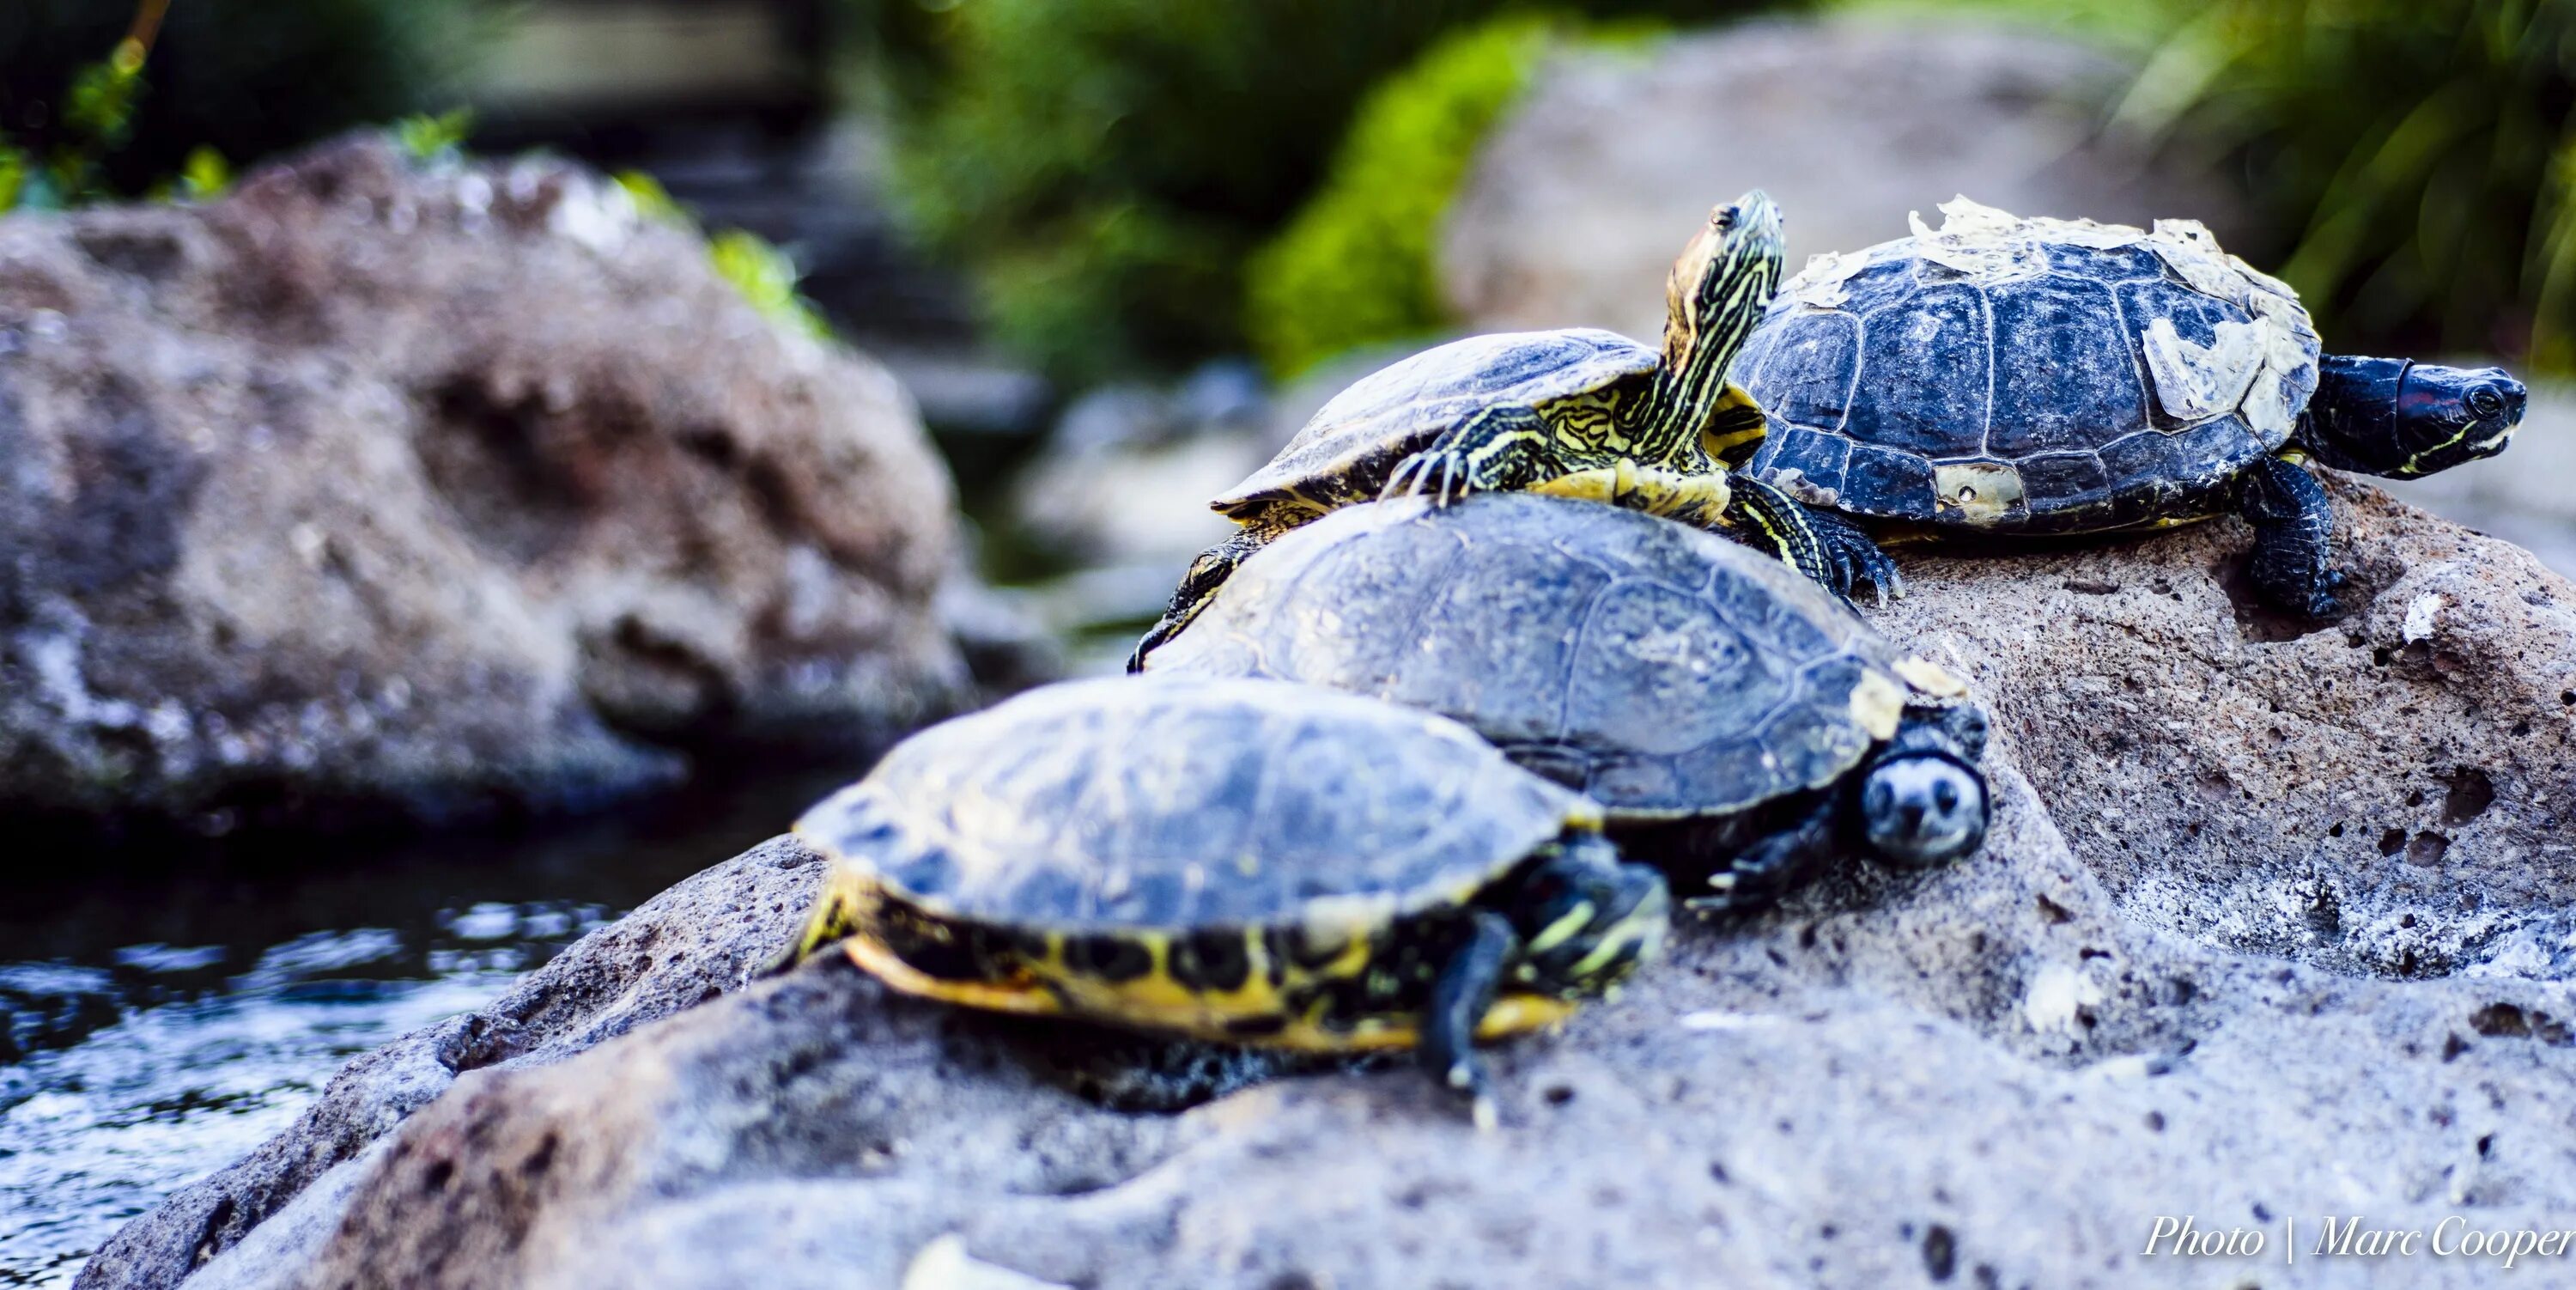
1858,559
1442,474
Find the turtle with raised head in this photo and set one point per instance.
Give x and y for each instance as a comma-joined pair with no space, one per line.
1241,861
2013,376
1734,722
1579,412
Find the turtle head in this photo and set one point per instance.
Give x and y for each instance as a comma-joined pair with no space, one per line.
2387,416
1721,284
1923,801
1585,918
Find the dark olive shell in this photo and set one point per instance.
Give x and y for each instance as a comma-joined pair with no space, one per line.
1350,447
1174,802
2041,376
1665,671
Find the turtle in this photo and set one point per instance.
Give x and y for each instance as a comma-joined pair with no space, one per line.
1580,412
1248,862
1734,722
2013,376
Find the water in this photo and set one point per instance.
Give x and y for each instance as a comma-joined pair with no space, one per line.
160,1015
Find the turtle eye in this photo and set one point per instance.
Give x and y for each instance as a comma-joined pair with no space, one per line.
2484,402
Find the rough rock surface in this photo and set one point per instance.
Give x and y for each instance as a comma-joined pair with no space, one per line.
688,945
434,486
1996,1074
2393,793
1578,202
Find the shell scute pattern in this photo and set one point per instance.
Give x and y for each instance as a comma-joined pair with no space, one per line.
1665,671
2028,373
1176,802
1350,446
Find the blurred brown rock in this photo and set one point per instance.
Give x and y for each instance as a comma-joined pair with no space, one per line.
2127,1006
1577,204
434,488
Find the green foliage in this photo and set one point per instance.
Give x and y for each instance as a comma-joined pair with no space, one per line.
1354,267
653,201
767,278
428,137
205,175
97,119
245,79
2421,155
1105,167
764,274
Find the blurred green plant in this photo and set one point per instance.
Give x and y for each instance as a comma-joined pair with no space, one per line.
97,120
427,137
1105,167
246,80
2420,155
205,175
1354,266
764,273
766,276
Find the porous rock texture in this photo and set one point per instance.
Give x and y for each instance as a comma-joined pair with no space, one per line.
2391,793
432,486
1999,1073
1581,197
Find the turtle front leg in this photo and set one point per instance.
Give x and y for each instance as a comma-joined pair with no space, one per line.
1460,996
1765,871
1498,450
2293,521
1829,549
1198,586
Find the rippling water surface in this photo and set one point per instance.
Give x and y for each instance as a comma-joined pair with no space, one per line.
160,1015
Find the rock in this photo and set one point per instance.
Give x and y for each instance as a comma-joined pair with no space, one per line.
2003,1072
1577,204
380,487
683,947
2393,794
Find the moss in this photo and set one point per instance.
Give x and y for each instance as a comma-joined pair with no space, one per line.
1354,267
764,274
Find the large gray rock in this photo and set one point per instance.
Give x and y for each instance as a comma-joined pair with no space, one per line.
1999,1073
1578,202
374,485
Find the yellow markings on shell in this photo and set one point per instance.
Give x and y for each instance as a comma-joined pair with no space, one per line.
1929,677
1158,1000
1025,996
1982,492
1519,1014
1877,703
1584,816
1512,1014
1736,421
